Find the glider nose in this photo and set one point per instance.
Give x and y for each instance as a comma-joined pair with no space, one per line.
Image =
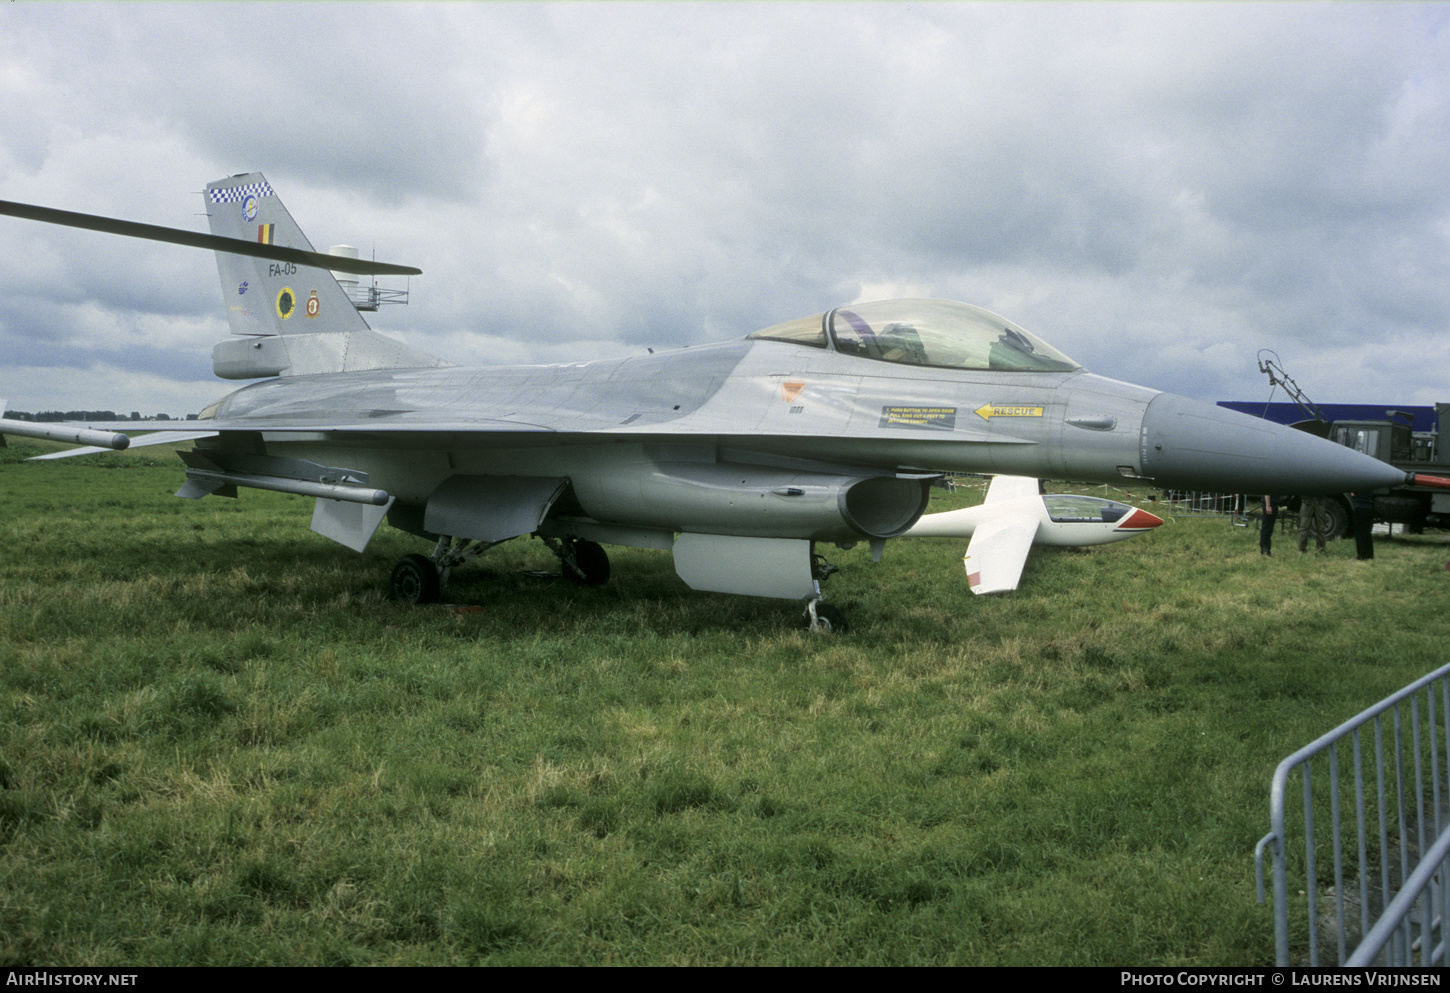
1190,444
1140,520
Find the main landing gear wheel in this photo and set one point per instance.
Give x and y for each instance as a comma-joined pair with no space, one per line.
824,618
415,580
590,565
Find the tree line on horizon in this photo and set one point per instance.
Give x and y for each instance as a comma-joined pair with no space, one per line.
48,416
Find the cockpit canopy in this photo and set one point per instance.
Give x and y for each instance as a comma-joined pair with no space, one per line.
1065,508
938,333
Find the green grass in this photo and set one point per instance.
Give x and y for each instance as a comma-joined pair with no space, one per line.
219,744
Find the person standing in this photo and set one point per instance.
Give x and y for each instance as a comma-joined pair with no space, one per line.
1363,523
1312,517
1266,526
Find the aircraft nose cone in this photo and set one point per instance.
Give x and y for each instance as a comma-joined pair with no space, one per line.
1190,444
1140,520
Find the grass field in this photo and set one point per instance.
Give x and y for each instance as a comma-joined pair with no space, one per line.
220,745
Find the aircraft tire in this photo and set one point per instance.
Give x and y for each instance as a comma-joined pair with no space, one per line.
415,580
830,618
593,562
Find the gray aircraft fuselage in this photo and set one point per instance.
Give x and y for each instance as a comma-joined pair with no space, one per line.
609,425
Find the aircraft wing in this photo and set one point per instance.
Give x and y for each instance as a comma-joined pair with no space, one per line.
998,551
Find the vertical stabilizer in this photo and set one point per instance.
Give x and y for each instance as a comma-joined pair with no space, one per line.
297,318
264,297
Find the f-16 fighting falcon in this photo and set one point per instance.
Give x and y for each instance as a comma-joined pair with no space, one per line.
742,459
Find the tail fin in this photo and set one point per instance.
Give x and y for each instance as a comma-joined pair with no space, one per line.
265,297
285,299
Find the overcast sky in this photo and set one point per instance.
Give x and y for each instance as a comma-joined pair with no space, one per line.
1159,190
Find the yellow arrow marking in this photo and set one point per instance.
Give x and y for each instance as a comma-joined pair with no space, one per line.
991,410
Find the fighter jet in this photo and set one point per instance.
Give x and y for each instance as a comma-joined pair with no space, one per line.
742,459
1015,515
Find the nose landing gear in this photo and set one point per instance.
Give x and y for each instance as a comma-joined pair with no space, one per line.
822,618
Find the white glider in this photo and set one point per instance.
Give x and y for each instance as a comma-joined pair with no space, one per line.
1016,515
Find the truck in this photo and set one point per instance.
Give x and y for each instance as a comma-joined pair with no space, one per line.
1408,438
1394,440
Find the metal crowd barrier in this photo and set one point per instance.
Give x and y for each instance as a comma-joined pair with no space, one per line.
1186,503
1394,870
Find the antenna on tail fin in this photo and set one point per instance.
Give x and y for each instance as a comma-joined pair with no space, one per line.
367,298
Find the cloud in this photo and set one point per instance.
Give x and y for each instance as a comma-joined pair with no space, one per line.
1158,189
